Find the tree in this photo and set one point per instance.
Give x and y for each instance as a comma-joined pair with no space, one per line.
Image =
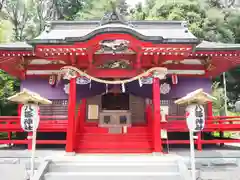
63,9
93,10
204,22
8,87
218,104
20,14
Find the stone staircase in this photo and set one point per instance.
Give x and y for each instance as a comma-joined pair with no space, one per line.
132,167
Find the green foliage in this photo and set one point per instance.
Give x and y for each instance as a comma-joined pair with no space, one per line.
219,103
207,19
8,87
93,10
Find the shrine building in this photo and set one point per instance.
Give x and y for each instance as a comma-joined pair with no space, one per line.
119,80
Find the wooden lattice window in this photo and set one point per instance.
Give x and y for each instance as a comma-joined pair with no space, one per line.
57,108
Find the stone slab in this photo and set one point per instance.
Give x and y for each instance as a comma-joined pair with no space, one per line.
13,172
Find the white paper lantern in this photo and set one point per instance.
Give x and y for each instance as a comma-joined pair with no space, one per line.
30,117
195,117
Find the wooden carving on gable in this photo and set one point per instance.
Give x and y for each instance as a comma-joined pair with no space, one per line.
114,45
116,64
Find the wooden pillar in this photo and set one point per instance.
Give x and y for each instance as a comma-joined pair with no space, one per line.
156,124
71,116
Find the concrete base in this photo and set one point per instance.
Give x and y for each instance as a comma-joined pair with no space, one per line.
70,154
158,154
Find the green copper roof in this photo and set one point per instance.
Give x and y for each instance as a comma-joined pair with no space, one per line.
154,31
16,46
216,46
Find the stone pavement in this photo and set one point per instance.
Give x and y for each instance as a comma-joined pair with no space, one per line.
214,163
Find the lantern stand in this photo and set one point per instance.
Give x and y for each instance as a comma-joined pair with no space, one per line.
34,140
195,118
30,116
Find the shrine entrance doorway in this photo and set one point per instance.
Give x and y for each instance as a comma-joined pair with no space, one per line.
115,113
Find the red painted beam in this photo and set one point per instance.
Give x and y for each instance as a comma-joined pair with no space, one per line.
184,66
164,58
112,73
46,66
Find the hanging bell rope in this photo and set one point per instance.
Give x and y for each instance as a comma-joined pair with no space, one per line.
72,72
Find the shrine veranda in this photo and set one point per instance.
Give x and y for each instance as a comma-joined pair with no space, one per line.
122,98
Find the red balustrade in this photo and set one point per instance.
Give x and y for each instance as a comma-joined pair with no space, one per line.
213,123
12,124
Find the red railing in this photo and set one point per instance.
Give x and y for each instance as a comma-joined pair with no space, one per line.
213,124
12,124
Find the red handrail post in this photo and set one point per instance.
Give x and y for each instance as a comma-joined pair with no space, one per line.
148,111
83,111
199,141
29,137
71,116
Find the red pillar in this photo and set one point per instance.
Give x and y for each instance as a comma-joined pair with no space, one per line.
71,116
156,124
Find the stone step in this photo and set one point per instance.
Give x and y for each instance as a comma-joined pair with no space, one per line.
112,175
116,158
220,174
114,167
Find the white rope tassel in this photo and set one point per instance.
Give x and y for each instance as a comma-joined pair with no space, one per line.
106,88
140,82
123,88
90,84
